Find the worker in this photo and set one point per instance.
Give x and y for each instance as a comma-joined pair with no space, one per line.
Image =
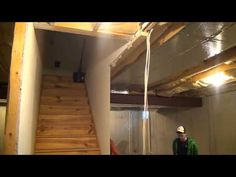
113,148
183,145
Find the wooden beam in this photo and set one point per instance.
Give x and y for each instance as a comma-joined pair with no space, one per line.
61,28
208,64
96,26
133,87
12,120
157,100
189,83
160,35
220,68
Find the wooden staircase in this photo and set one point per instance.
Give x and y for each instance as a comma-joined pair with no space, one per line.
65,124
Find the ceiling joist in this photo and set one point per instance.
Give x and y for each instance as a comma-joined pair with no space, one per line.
184,81
75,28
162,32
156,100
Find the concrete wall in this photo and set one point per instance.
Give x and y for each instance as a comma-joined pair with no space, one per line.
165,122
126,126
223,123
126,131
2,126
120,130
98,84
162,131
212,126
31,86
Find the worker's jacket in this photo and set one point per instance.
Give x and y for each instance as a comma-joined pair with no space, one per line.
192,148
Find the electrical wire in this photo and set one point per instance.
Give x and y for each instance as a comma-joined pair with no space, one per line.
146,77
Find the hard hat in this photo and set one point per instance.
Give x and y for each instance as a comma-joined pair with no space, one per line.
180,129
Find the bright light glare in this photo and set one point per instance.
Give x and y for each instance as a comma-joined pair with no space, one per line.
217,79
120,91
145,114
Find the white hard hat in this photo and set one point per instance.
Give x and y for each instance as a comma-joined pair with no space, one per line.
180,129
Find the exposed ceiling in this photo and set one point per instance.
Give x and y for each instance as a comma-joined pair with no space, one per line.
6,40
69,49
69,42
124,30
189,49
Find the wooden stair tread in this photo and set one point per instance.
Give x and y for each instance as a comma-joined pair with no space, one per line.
63,107
64,98
68,149
67,136
70,101
71,152
65,118
67,85
65,110
71,126
66,121
63,92
65,124
65,143
54,78
63,131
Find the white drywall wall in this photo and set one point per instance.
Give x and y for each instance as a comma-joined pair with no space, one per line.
31,86
98,84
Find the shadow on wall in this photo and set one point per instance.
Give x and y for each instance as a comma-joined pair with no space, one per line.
123,147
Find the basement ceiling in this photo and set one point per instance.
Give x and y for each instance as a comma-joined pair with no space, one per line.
193,45
123,30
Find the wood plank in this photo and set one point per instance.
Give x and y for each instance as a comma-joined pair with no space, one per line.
64,107
12,120
71,152
157,100
74,29
159,36
65,110
58,123
67,85
96,26
65,143
209,66
188,83
67,120
65,124
54,78
61,131
66,136
68,125
63,92
64,100
62,118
